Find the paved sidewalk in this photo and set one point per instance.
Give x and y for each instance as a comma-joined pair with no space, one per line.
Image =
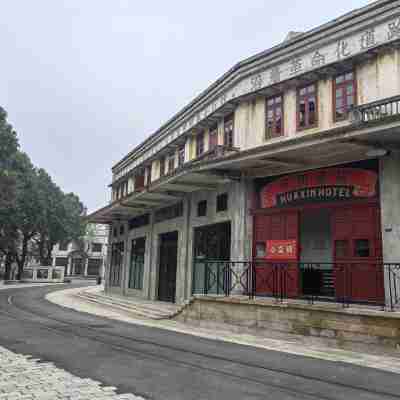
25,285
23,378
293,344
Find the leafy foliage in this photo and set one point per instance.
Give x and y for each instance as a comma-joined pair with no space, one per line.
35,214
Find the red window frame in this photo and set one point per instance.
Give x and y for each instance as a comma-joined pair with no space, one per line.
162,166
307,95
199,144
344,95
229,127
213,137
274,117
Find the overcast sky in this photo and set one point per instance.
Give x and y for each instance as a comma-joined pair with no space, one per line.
84,81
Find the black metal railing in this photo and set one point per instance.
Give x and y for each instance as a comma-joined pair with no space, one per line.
376,111
343,282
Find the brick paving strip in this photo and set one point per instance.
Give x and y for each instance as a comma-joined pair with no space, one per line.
26,378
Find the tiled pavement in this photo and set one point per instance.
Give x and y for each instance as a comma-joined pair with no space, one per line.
25,378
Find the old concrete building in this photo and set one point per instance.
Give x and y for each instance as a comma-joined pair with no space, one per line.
290,159
86,257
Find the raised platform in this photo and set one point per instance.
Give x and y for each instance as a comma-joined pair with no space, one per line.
364,329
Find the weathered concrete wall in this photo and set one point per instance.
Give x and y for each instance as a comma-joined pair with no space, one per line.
351,329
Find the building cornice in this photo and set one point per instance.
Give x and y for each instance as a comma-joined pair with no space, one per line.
251,74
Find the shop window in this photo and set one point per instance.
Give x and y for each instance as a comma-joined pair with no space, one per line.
344,89
274,117
261,250
137,264
228,131
307,107
202,208
97,247
222,202
341,248
199,144
362,248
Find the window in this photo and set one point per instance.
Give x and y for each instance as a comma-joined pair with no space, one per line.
274,116
97,247
222,202
228,131
213,137
162,167
181,155
344,95
361,248
61,261
137,264
63,246
139,182
117,255
121,230
137,222
149,172
341,248
261,250
94,265
307,107
199,144
171,163
168,213
202,208
115,232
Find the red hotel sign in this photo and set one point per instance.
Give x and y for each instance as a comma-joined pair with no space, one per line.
332,184
281,250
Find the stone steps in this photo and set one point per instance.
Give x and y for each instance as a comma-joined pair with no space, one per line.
144,309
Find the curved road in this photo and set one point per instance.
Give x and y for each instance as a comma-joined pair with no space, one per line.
164,365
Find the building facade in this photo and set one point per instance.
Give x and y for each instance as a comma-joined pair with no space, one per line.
85,258
290,159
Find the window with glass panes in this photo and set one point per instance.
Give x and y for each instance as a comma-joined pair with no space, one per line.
228,131
274,116
199,144
171,162
307,107
213,137
344,95
162,167
181,155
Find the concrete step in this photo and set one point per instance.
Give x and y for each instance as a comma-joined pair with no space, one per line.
136,306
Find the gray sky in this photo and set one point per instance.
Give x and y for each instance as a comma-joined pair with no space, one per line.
84,81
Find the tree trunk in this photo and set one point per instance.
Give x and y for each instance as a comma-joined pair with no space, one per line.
8,264
21,260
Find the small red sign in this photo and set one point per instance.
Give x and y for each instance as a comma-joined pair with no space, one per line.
282,250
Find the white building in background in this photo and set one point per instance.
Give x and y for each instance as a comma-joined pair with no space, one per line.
86,258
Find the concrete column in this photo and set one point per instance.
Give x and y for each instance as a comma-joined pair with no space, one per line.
183,264
240,240
108,260
125,263
69,266
390,212
152,249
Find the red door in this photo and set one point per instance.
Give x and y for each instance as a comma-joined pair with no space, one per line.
358,272
273,278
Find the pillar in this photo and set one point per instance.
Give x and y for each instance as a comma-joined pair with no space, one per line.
390,213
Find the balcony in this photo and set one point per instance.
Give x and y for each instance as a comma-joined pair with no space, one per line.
378,111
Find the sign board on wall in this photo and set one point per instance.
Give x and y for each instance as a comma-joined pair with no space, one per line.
332,184
282,250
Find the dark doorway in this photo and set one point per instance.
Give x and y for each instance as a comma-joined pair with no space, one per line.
167,266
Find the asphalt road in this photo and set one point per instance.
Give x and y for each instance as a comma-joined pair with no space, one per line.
164,365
